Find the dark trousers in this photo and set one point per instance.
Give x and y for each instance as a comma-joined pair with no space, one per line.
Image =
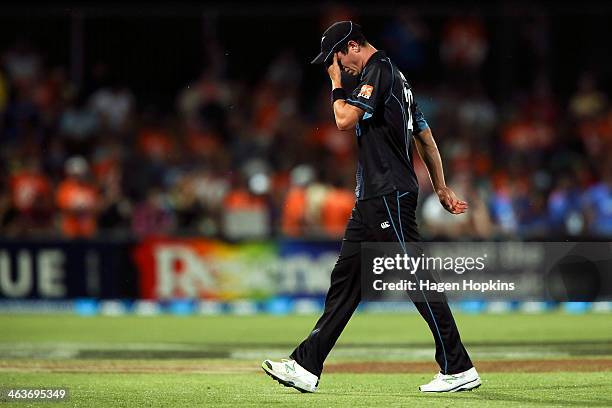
344,294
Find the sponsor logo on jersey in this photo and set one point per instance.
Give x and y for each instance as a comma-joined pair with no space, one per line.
385,224
366,91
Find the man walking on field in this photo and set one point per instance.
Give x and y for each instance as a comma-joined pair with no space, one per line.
387,123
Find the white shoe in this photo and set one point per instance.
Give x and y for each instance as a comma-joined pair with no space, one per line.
291,374
465,381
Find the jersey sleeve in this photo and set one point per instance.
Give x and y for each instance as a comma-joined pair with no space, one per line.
369,92
418,119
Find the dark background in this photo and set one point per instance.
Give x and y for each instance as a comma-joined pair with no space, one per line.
156,48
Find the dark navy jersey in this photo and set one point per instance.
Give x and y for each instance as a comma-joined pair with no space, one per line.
384,134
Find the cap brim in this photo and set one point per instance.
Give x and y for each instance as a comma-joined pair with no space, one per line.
319,59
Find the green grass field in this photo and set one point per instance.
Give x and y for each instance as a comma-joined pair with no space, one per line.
541,360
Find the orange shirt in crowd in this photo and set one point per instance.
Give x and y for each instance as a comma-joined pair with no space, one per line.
240,199
337,142
294,212
266,112
464,41
526,135
336,210
77,201
27,188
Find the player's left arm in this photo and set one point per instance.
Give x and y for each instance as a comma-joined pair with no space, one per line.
428,150
346,115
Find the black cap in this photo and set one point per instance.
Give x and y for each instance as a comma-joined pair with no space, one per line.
335,38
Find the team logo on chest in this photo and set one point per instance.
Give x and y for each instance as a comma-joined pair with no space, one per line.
366,91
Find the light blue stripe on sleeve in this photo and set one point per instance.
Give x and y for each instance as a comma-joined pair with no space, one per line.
359,104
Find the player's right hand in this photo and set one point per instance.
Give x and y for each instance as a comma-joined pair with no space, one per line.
450,202
334,71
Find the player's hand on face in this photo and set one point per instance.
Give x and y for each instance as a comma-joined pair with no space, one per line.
450,202
334,69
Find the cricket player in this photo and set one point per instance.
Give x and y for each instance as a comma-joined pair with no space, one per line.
387,123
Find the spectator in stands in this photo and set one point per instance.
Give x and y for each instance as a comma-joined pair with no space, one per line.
107,168
596,134
77,121
153,216
246,213
532,217
588,101
187,204
475,224
78,200
597,204
22,64
528,135
565,214
336,210
529,158
501,204
32,209
294,206
464,42
114,106
404,39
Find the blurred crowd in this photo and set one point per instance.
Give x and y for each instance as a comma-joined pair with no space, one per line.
254,160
